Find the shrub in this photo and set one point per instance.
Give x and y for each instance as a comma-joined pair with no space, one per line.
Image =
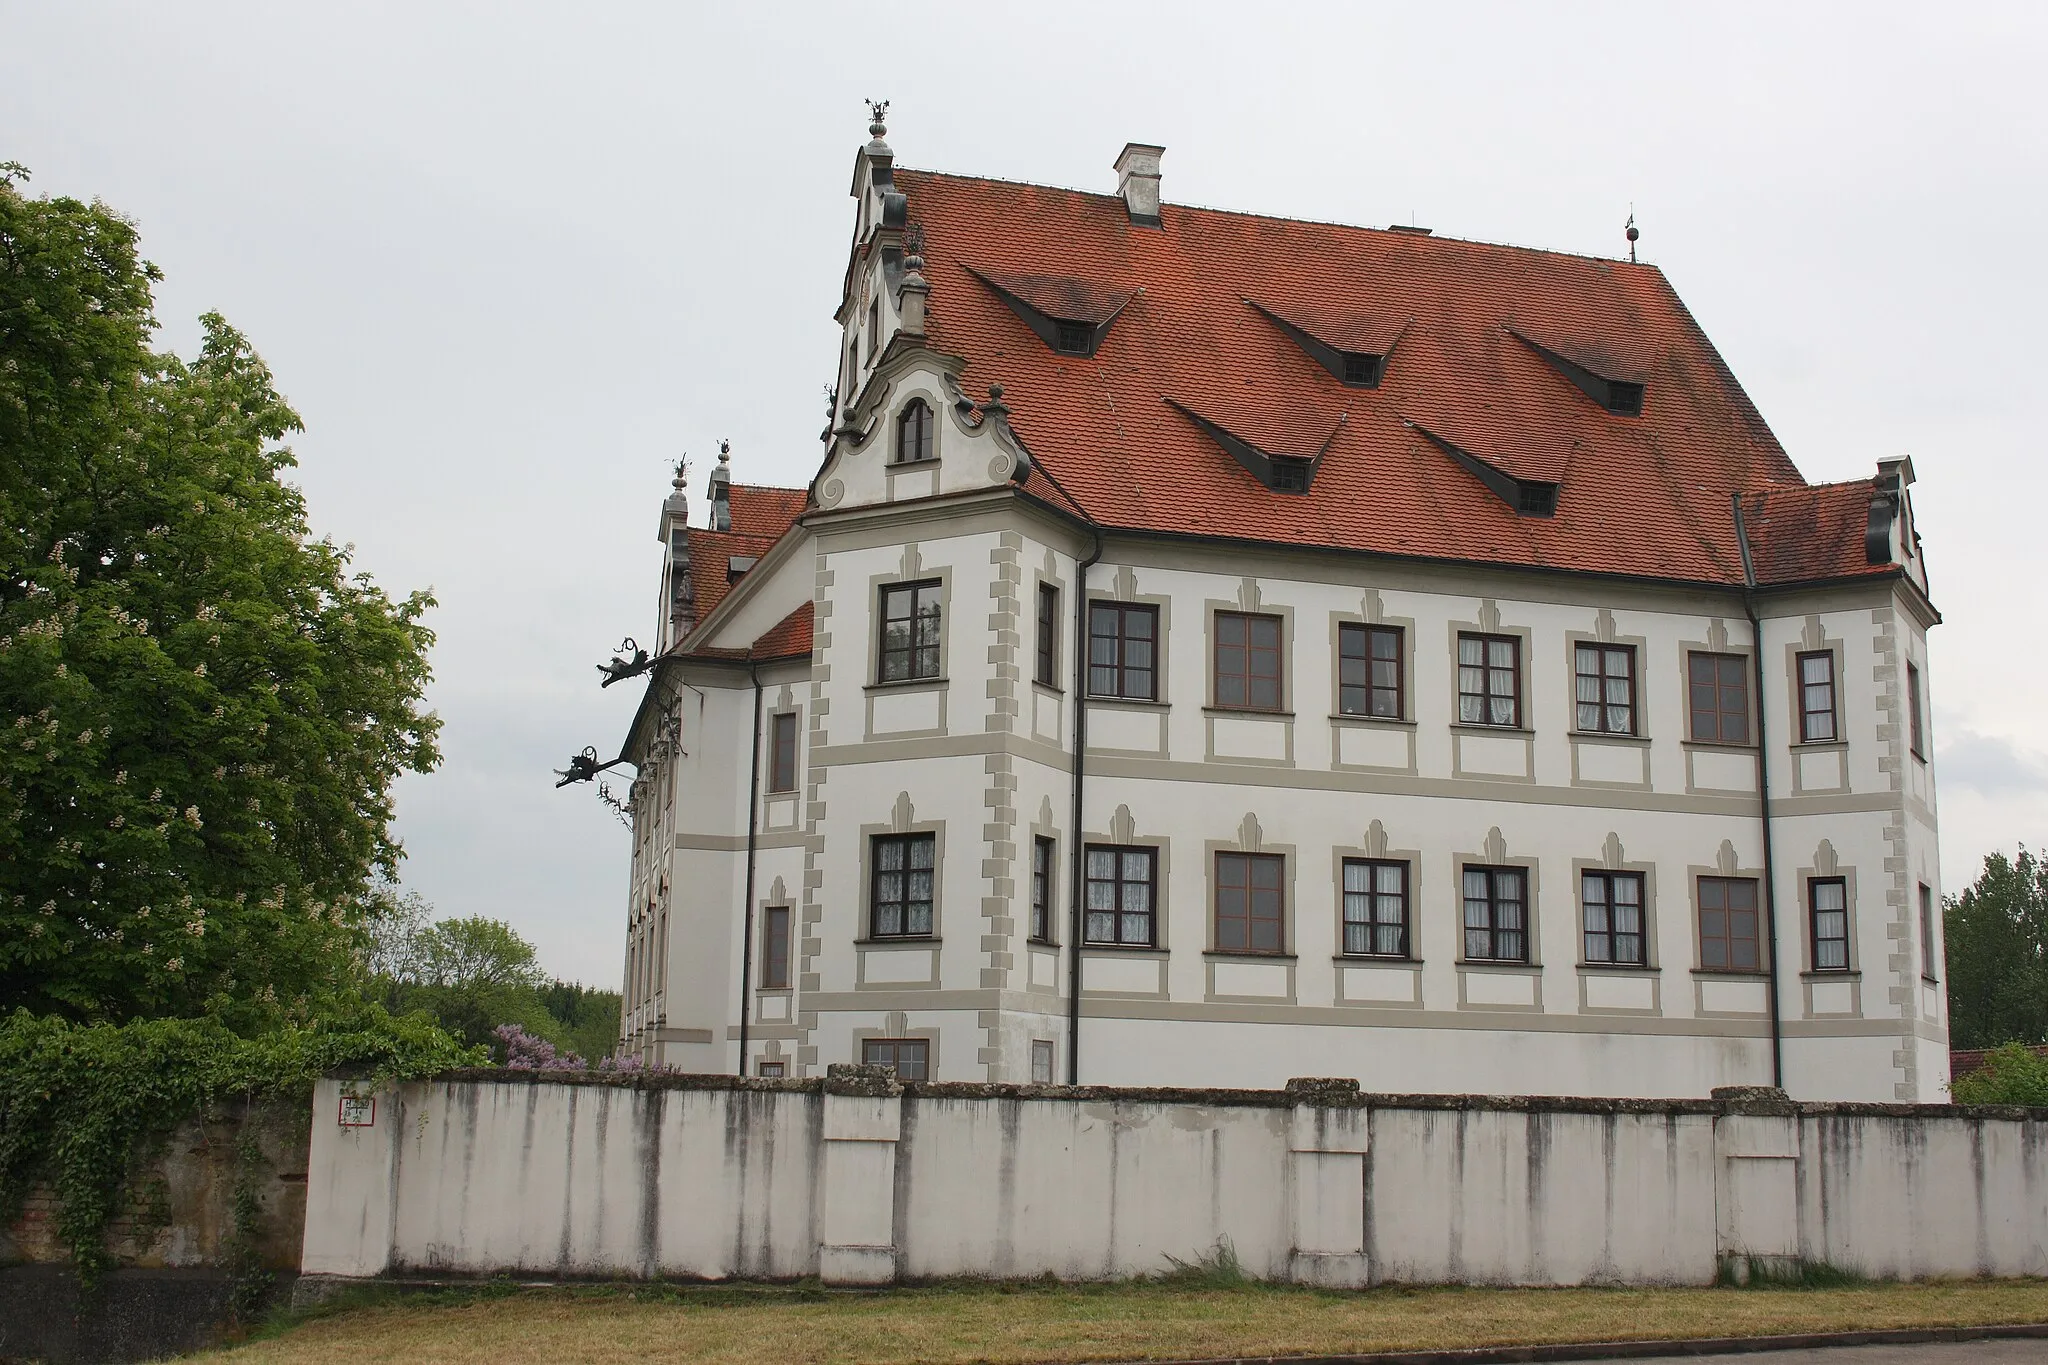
2012,1074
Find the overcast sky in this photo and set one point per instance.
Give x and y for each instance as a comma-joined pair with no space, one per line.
510,262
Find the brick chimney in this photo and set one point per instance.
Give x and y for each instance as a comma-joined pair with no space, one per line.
1137,172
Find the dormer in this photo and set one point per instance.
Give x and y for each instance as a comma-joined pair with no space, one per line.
1071,316
1528,488
1276,457
1353,347
1615,383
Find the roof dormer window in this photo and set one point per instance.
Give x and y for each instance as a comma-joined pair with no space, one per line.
1624,398
914,433
1073,338
1289,476
1536,499
1353,347
1361,371
1591,374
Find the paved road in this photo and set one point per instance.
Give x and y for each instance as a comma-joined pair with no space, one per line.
2013,1352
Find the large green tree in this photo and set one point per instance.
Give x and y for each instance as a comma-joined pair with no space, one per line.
1997,933
202,711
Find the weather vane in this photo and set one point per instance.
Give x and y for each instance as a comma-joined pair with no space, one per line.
1630,231
878,111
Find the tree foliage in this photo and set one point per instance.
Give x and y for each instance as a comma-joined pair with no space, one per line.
201,710
1997,954
2012,1074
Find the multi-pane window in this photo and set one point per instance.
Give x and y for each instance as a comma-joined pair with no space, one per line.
771,1071
1247,661
1927,932
1496,914
900,890
1123,651
1041,1061
910,631
908,1055
1816,697
1612,903
1717,687
1250,903
914,432
782,752
1914,724
1827,903
1728,925
1369,671
1119,896
1489,680
775,948
1041,889
1606,688
1048,633
1375,908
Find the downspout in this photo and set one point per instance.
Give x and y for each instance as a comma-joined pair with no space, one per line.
747,917
1763,792
1076,852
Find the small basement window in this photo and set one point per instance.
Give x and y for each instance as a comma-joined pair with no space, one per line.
1075,338
1361,371
1624,398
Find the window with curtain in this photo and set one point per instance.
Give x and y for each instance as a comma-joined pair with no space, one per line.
1489,680
1827,900
1496,914
1123,644
1817,697
1606,688
1612,904
1375,908
900,886
1369,667
1119,896
1041,889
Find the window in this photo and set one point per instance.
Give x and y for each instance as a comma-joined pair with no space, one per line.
1074,338
1536,499
907,1055
1122,651
1041,889
771,1070
1119,896
1827,901
1606,691
910,631
1041,1061
914,433
1717,686
1728,936
1048,633
1250,903
1913,722
1496,914
1375,908
1289,476
775,948
1247,661
1927,932
1816,697
1489,680
1624,398
874,330
1369,672
1612,903
900,900
782,752
1362,371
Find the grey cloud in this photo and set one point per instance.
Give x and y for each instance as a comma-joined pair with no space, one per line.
1989,765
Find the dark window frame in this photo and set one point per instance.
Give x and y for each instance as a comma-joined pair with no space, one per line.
1927,972
1815,939
1603,708
1493,901
1073,337
1488,669
1046,673
775,954
905,902
1243,658
1371,692
1043,864
771,1069
1246,921
897,1051
1719,686
1118,882
782,752
1916,732
1807,710
1728,938
1609,935
1372,898
917,592
916,434
1119,668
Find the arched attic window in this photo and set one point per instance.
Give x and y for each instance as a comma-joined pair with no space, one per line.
914,432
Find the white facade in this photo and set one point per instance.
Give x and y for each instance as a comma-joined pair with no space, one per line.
981,758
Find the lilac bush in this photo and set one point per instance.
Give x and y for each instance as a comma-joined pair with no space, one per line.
524,1052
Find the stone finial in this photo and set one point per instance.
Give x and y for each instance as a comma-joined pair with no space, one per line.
914,290
878,113
995,407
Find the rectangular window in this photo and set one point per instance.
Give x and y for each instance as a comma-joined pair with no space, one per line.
1119,887
1612,903
1927,971
1606,689
900,893
768,1071
1247,661
1375,908
782,752
1489,680
1728,925
907,1055
1041,1061
1250,903
775,948
1496,914
1041,890
910,631
1048,633
1827,903
1369,679
1914,725
1717,687
1816,697
1123,644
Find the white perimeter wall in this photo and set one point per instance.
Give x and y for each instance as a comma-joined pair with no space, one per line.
858,1181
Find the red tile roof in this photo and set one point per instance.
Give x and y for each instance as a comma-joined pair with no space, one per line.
759,511
711,556
1645,495
1797,535
790,639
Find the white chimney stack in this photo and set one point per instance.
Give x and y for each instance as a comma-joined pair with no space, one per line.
1137,171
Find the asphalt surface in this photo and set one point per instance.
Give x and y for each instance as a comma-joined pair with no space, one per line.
2010,1352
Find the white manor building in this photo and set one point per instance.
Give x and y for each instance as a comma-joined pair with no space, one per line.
1218,648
